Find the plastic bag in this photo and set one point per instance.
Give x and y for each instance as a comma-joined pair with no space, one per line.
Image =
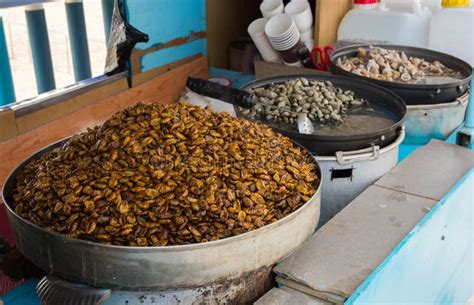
203,101
123,37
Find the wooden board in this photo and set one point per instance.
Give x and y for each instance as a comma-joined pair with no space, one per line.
7,125
329,14
227,20
138,79
56,111
165,88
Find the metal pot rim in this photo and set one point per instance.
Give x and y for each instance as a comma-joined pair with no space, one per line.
462,100
172,248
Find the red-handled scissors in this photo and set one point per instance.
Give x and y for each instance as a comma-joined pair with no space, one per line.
321,57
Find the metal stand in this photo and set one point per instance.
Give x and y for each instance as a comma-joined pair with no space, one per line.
244,290
54,291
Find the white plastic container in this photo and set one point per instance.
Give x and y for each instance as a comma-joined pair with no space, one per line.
433,5
407,5
396,22
452,32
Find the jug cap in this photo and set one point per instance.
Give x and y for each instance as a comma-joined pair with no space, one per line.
365,1
455,3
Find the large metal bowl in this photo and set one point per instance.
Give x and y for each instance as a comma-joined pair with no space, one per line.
139,268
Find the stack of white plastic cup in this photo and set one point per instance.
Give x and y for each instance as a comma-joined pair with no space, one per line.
300,11
256,31
270,8
283,34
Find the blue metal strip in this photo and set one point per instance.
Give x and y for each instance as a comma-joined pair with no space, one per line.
441,245
78,40
107,10
470,106
39,42
7,90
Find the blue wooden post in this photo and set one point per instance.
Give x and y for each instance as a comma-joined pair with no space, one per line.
39,42
7,91
78,39
107,10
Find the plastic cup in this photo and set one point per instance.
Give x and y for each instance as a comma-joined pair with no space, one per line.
282,46
279,26
301,13
307,34
309,44
282,32
270,8
256,31
292,31
293,64
291,55
286,45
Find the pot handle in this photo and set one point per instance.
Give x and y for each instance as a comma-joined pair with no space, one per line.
232,96
343,156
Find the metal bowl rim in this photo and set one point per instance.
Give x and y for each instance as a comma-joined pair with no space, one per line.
172,248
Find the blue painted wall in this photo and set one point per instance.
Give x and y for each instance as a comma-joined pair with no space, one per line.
433,264
165,20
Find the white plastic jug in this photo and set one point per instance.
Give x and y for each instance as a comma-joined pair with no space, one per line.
395,21
452,30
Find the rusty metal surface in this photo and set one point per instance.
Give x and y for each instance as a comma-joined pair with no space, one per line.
243,290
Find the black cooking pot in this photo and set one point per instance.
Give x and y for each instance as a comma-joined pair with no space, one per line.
338,138
413,94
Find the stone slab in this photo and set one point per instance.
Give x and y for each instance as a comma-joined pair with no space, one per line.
430,171
340,255
286,295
